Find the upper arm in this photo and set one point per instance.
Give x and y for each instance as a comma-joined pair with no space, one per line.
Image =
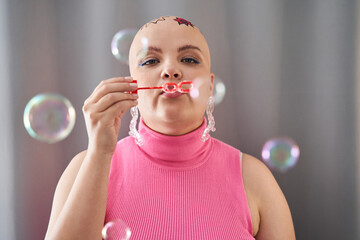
64,186
275,221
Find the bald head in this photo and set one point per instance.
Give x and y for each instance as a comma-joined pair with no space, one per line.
168,18
174,31
171,49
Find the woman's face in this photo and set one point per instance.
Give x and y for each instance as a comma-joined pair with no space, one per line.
174,51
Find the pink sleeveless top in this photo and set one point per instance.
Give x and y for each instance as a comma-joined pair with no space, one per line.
178,187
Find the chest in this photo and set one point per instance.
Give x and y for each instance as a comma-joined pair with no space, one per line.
202,203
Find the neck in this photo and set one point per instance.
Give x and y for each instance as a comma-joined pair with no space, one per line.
174,128
175,151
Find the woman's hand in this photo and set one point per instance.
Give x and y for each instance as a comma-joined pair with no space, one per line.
103,112
83,187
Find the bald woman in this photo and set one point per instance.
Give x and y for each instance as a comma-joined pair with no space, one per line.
170,179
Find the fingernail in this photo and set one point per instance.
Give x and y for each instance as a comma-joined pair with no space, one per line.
133,85
128,77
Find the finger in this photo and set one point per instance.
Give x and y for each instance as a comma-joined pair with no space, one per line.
111,88
108,81
114,80
118,109
112,98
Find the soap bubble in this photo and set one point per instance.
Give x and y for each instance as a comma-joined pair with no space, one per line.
121,42
280,153
144,47
49,117
194,92
116,230
219,90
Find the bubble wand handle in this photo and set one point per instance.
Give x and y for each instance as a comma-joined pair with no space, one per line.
144,88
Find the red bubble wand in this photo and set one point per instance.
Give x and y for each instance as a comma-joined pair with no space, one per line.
171,87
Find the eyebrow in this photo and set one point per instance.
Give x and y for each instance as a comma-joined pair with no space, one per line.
186,47
150,48
156,49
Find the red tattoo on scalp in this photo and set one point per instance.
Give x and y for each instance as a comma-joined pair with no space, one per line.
160,19
183,21
155,21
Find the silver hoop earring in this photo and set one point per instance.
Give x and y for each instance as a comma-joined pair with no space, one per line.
133,131
210,119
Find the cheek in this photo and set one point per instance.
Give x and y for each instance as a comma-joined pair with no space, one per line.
144,104
200,102
144,97
141,76
147,75
201,91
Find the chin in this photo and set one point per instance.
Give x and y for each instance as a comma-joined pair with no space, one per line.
174,116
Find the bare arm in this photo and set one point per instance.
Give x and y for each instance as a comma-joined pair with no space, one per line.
270,212
79,203
80,199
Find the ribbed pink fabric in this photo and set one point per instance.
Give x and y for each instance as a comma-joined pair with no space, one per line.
178,187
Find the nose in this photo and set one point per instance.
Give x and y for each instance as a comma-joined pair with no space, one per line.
171,73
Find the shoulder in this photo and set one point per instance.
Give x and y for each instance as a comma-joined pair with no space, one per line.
125,143
256,175
269,209
224,147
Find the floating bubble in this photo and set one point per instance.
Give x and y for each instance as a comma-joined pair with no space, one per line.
280,153
219,90
49,117
121,42
116,230
198,84
194,92
144,47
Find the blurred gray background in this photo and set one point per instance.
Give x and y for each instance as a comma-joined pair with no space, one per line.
291,68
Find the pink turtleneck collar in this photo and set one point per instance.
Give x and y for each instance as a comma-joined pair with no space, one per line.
185,151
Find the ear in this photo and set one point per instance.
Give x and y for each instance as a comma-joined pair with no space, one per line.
212,78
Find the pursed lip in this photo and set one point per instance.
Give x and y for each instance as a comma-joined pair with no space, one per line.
171,95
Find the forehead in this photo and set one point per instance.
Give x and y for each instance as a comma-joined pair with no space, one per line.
169,32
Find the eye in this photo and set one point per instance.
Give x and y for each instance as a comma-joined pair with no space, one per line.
149,62
190,60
